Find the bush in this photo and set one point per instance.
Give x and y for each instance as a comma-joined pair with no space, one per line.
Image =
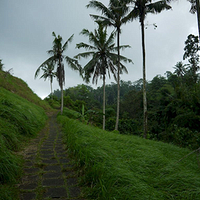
126,126
184,137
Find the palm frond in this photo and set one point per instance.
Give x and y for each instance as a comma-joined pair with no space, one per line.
73,63
121,47
123,69
65,46
85,32
157,7
103,20
84,55
86,46
49,60
92,39
44,76
88,70
110,41
51,52
134,14
126,60
100,7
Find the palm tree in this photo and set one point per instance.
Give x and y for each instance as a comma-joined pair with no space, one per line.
140,10
48,72
103,57
113,16
57,59
180,69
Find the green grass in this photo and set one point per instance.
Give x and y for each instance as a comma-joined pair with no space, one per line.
22,115
19,87
71,113
124,167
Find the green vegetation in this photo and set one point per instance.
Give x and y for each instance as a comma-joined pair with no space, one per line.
20,120
115,166
19,87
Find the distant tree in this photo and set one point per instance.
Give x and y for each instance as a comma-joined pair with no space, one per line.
103,57
1,65
57,59
48,72
113,16
140,10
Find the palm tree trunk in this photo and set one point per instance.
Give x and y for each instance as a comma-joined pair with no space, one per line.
61,99
118,81
51,90
198,15
144,83
104,102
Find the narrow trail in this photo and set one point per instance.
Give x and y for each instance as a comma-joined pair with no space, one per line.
48,171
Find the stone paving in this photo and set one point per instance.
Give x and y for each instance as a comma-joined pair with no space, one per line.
48,172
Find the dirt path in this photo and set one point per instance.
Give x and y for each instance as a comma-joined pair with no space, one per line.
48,171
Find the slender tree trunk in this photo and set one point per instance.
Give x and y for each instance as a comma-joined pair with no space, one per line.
61,99
60,77
118,81
51,90
198,16
144,83
104,102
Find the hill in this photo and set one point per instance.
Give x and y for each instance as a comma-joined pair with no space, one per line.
123,167
22,115
20,88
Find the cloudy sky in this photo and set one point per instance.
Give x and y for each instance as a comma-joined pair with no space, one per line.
26,28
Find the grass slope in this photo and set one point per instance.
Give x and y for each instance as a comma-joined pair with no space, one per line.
19,87
22,115
128,167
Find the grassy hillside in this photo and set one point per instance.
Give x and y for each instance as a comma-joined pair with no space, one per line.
22,115
123,167
19,87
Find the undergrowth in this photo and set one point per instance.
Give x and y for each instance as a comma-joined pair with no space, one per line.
122,167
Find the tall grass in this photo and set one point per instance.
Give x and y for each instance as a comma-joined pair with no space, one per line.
19,120
128,167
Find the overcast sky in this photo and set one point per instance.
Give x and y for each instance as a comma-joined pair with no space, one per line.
26,28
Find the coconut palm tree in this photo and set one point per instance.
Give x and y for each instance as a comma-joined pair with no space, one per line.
180,69
113,16
103,59
57,58
140,10
48,72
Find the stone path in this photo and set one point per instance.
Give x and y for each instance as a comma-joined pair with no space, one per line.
48,172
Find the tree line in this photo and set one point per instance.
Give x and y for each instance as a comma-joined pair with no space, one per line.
104,59
173,102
